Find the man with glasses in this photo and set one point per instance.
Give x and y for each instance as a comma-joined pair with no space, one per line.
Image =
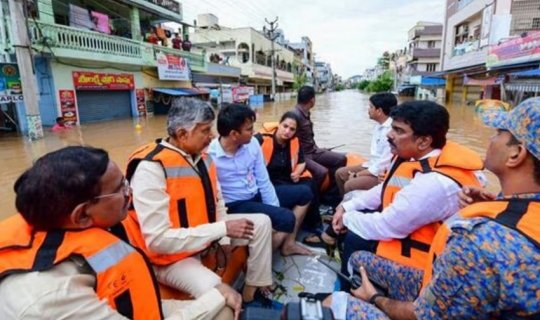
58,260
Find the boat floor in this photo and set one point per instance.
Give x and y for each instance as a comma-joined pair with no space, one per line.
295,274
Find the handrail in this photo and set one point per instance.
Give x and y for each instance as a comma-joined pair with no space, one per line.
65,37
61,36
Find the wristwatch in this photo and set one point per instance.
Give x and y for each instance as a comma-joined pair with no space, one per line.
374,297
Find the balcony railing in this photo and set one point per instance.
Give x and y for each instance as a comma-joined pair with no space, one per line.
69,42
425,53
60,36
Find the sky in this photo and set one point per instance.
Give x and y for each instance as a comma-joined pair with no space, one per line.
348,34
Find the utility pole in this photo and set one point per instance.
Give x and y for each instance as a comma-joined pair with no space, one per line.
4,56
23,51
270,34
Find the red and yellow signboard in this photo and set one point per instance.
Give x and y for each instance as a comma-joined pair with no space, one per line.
518,50
141,102
103,81
68,106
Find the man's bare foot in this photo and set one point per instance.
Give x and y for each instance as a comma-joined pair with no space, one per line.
295,249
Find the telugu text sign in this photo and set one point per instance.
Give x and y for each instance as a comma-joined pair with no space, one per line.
103,81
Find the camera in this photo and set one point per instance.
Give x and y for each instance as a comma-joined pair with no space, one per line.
308,308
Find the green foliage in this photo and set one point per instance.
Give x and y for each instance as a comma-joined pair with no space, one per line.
383,83
362,85
299,81
384,60
339,87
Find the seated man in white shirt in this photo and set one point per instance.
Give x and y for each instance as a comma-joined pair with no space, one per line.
179,212
366,175
398,218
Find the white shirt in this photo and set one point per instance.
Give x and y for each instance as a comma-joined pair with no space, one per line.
151,202
429,197
380,153
67,292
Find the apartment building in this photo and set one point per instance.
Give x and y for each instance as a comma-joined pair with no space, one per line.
99,60
250,50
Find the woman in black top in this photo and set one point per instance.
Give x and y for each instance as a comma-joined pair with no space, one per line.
286,168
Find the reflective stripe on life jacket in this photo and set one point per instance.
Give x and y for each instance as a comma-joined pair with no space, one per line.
455,162
123,277
521,215
192,195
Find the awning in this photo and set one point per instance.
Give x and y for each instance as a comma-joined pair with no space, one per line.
523,87
527,73
182,91
432,81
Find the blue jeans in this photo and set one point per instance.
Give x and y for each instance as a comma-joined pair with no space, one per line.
283,219
291,195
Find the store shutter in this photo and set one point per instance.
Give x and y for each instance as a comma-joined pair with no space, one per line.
103,105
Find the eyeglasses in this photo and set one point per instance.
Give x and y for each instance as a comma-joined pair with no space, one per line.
125,190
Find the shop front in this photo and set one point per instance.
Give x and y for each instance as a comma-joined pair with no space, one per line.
103,96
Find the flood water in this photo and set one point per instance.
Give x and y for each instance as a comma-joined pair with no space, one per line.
340,118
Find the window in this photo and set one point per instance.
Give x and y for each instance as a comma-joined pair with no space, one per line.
536,23
431,44
431,67
243,52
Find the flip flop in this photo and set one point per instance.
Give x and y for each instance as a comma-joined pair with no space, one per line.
319,243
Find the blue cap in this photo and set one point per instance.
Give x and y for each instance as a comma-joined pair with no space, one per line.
523,122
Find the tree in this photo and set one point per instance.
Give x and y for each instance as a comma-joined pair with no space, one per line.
383,83
299,81
362,85
384,61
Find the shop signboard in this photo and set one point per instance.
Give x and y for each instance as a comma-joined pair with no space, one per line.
83,80
68,106
172,67
241,94
10,83
141,102
167,4
518,50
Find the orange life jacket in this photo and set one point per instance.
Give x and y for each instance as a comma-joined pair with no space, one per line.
123,277
192,196
455,162
267,146
521,215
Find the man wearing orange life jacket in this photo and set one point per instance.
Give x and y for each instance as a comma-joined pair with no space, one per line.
178,212
485,259
57,258
398,218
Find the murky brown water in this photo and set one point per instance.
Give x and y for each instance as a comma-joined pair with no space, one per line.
340,118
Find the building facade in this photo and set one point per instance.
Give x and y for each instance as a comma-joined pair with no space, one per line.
307,58
325,77
100,59
471,26
250,50
424,53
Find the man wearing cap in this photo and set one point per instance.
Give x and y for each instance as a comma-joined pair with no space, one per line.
485,260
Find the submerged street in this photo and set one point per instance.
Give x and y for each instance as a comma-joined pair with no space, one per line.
340,118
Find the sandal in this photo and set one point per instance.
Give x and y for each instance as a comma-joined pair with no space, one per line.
314,240
321,243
